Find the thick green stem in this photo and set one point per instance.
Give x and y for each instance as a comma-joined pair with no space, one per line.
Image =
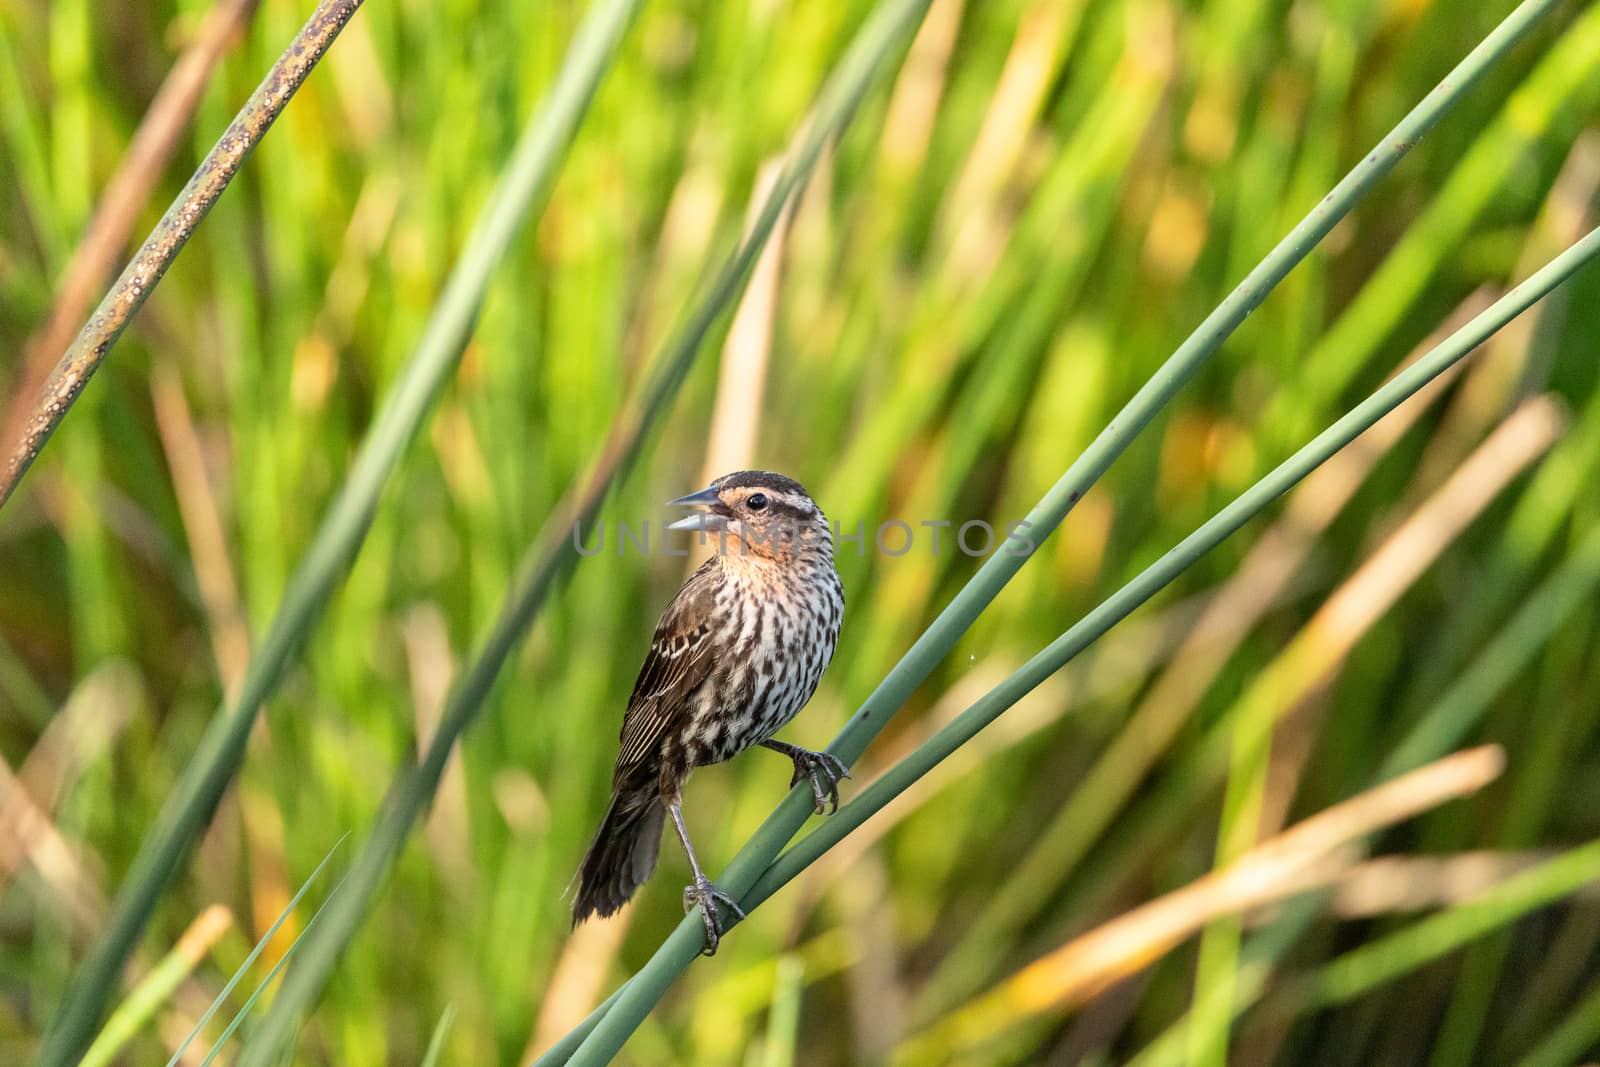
527,181
607,1032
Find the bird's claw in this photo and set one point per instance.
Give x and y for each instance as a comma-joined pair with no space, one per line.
824,771
706,897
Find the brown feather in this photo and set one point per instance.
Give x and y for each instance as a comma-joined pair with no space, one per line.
679,659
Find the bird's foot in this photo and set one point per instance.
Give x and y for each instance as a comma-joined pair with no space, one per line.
824,771
706,896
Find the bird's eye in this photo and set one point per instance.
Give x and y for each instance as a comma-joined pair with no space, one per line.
756,501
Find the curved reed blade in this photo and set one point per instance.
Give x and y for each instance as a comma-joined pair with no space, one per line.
255,952
159,250
441,1035
266,983
523,187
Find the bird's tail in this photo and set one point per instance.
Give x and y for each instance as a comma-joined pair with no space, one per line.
623,852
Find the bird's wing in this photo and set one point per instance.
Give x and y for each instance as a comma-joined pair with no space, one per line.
678,662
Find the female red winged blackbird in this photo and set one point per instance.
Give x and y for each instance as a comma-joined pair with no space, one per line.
736,654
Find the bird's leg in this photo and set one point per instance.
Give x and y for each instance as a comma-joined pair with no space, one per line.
703,893
823,770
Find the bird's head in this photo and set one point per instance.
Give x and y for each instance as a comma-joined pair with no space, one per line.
758,514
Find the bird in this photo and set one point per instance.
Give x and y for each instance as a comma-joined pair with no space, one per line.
737,653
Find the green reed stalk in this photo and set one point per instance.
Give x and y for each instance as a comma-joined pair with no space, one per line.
552,553
522,190
601,1035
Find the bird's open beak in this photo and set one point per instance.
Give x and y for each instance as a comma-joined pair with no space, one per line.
715,519
705,498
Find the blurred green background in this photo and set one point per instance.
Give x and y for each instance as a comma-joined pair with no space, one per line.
1029,214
